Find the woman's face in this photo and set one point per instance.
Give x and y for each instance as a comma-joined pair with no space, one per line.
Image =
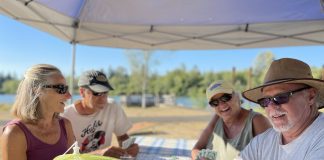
229,108
54,94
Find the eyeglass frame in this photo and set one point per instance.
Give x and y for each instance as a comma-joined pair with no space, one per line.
221,98
59,88
287,94
96,94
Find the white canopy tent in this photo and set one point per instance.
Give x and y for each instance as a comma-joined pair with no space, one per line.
174,24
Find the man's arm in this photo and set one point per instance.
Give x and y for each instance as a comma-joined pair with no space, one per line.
122,138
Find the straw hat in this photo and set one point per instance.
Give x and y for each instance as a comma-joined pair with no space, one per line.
286,70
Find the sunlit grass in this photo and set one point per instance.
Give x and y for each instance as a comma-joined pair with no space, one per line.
5,107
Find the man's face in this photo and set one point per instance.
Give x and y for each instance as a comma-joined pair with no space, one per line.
95,100
290,116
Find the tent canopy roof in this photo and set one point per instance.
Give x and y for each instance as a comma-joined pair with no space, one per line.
175,24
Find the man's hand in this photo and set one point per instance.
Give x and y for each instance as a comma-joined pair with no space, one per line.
133,150
113,151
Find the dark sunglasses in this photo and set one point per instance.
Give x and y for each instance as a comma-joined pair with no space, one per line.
59,88
97,94
224,98
279,99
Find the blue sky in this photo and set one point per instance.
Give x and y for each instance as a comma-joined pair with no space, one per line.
22,46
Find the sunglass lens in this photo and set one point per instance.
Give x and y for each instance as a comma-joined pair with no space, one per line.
264,102
226,97
223,98
99,93
62,89
213,103
281,99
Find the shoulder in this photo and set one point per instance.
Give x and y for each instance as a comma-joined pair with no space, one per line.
260,124
14,134
66,121
259,118
69,111
318,124
112,106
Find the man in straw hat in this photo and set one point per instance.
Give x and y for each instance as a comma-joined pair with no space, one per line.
291,98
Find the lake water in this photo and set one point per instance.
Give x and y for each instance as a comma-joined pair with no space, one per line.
180,101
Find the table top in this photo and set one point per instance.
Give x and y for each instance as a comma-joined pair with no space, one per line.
164,148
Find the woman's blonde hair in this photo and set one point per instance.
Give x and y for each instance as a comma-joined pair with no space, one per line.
26,106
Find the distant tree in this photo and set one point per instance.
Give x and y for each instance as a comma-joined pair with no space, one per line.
140,64
119,79
10,86
261,65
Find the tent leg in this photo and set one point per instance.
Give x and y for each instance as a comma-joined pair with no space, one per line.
71,86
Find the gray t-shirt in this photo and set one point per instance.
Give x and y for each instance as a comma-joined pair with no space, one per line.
268,146
228,149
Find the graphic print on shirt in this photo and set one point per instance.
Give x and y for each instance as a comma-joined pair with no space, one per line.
93,137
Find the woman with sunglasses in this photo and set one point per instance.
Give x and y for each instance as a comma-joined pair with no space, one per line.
38,132
232,127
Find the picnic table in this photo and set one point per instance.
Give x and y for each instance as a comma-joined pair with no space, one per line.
164,148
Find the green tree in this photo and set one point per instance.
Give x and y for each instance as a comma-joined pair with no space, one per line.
119,79
261,65
10,86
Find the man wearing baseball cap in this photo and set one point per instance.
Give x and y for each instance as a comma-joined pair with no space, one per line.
95,119
231,128
291,98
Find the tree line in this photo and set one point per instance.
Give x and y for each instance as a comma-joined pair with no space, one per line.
178,82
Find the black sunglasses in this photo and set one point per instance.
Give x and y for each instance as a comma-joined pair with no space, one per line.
59,88
280,98
224,98
97,94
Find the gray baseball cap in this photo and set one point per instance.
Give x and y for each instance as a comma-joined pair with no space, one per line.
95,80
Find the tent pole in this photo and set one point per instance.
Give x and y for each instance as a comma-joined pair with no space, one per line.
71,86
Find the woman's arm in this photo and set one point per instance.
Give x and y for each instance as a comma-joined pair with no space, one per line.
13,143
204,137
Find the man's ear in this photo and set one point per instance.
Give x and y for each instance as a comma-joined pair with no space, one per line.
312,95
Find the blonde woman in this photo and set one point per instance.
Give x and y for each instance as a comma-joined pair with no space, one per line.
38,133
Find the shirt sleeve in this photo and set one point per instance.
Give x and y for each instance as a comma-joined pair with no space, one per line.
123,124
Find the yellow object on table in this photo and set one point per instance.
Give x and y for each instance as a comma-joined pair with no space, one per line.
82,157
